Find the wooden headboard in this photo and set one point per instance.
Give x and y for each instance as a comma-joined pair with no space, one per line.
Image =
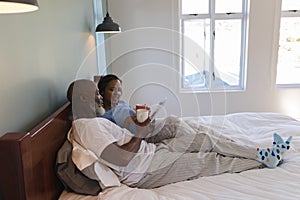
27,168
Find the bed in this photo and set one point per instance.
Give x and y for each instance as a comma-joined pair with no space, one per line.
28,159
28,163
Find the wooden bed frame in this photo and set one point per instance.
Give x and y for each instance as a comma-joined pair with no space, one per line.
27,168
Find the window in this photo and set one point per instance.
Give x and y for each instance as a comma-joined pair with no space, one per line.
288,65
213,44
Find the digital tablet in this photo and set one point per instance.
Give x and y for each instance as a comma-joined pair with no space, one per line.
157,108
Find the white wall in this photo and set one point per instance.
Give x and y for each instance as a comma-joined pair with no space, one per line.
145,56
40,54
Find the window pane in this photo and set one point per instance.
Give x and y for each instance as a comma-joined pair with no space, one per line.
229,6
196,48
227,52
208,61
288,67
290,5
195,7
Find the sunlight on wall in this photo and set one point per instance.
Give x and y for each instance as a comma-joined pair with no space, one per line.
90,43
88,67
289,104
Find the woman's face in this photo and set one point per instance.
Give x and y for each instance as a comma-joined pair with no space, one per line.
112,94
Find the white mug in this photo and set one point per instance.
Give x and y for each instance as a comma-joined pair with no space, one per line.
142,115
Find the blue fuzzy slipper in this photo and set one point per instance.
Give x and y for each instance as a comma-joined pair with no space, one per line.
273,156
277,139
269,156
283,146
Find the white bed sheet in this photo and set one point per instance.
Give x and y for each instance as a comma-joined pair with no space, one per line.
282,182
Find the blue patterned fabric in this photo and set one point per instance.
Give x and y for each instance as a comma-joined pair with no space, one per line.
272,156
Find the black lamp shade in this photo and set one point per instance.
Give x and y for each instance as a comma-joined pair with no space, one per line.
18,6
108,26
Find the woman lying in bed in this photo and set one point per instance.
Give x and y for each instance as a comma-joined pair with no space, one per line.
112,155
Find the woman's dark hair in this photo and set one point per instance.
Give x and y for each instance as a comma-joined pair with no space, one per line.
104,80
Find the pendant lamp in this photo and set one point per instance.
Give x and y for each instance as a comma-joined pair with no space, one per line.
18,6
108,26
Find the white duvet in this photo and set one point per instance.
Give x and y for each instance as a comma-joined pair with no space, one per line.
282,182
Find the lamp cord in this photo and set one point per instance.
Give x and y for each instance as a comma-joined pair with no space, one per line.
106,6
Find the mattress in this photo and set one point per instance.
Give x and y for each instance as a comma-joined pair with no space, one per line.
282,182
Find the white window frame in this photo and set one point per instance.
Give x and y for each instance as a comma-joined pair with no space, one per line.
244,45
287,13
